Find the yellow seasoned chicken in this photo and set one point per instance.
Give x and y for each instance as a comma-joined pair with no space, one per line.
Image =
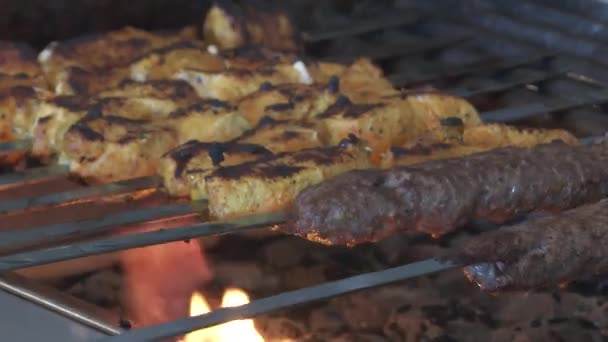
110,148
478,139
208,121
272,183
156,128
191,162
56,115
81,58
165,62
394,121
150,99
178,91
283,135
229,26
21,84
232,84
362,81
292,101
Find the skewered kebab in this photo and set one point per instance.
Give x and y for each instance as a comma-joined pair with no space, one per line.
230,191
440,196
540,252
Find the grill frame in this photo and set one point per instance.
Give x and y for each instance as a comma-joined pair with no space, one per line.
559,55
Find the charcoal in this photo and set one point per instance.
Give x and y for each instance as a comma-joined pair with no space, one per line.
326,320
245,275
280,329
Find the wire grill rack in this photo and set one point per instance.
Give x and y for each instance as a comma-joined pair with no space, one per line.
537,62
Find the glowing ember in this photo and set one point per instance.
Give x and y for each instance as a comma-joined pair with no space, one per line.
240,330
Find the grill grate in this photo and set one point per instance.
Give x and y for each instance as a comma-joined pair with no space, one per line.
532,65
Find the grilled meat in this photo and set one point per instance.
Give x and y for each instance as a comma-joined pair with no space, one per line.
394,121
184,169
108,148
191,162
232,84
230,26
18,60
208,121
474,140
541,251
440,196
55,116
98,53
165,62
292,101
283,135
178,91
272,183
104,147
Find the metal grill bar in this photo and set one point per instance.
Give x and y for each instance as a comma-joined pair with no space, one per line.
286,299
81,193
400,50
402,79
31,175
364,26
526,79
27,237
50,255
554,105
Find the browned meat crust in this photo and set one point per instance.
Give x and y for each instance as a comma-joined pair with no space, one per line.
440,196
539,252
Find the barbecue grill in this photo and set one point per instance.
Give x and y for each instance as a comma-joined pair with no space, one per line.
535,63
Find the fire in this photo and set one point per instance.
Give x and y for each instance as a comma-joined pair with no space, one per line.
240,330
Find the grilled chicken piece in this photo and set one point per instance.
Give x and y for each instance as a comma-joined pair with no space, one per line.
81,58
112,148
500,135
229,26
478,139
56,115
21,83
232,84
130,99
18,108
208,121
272,183
394,121
191,162
292,101
361,81
176,90
18,60
283,136
165,62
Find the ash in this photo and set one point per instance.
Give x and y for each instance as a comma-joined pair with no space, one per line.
443,307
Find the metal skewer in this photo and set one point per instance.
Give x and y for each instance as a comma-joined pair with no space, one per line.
114,244
67,197
284,300
12,238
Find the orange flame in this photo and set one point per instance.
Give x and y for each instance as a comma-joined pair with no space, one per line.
240,330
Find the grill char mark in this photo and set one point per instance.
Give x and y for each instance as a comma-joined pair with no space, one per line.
183,154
